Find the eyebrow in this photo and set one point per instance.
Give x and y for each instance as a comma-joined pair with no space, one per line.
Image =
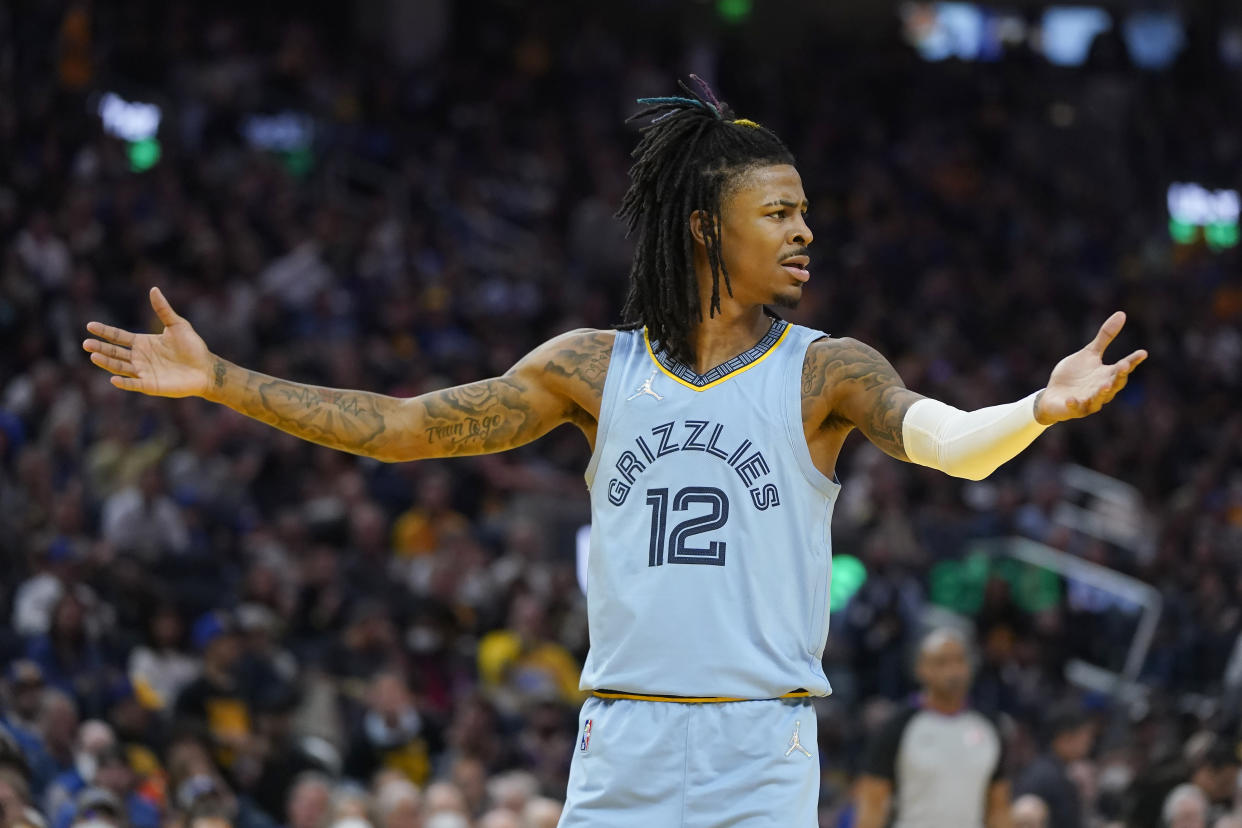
806,205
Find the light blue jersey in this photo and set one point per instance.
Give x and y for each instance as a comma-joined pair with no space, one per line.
710,551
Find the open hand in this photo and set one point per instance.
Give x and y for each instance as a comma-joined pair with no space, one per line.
175,363
1082,383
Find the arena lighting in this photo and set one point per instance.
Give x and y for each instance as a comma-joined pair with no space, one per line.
1195,210
144,154
136,123
288,134
1067,32
1153,38
848,576
939,31
128,120
734,11
282,132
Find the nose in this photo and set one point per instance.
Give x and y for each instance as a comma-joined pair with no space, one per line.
800,232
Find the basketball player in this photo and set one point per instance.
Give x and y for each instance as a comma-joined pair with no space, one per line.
715,429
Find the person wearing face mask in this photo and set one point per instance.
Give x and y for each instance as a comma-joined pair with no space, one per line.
93,740
391,733
115,781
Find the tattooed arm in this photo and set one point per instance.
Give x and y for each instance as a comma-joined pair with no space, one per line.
560,381
847,383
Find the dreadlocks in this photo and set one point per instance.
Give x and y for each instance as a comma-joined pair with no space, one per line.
689,157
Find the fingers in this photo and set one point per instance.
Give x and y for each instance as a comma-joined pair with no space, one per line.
120,337
124,368
127,383
94,346
1108,332
1132,361
162,309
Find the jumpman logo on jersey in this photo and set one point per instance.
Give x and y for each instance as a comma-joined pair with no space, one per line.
646,388
795,743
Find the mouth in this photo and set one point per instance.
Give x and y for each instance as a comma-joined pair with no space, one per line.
798,267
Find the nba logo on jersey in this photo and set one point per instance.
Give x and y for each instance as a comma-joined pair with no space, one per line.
586,735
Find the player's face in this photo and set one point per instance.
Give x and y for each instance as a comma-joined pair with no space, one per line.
764,237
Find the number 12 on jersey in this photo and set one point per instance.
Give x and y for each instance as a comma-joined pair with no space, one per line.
674,543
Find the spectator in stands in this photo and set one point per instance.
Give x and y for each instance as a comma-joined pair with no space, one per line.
113,776
1208,761
391,733
216,700
1069,734
94,739
310,802
523,662
72,656
1186,806
160,668
398,804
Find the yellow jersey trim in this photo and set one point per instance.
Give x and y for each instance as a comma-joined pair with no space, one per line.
612,694
713,383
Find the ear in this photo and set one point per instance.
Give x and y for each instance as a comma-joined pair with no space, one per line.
697,219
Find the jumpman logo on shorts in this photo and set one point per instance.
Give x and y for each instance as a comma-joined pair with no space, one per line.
795,743
646,388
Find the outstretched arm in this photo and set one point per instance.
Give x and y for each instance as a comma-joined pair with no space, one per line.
558,382
865,391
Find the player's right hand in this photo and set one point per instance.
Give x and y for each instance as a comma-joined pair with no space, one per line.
175,363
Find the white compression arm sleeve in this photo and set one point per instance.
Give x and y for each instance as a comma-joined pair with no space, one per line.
970,444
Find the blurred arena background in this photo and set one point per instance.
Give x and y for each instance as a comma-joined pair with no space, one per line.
398,196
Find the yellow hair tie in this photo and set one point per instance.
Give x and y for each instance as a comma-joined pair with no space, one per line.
746,122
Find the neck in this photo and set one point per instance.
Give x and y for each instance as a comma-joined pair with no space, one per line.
948,705
730,332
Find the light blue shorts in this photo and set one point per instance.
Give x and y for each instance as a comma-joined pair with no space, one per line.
749,764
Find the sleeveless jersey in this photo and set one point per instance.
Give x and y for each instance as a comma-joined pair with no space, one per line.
710,554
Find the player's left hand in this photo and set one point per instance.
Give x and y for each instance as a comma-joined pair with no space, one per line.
1082,383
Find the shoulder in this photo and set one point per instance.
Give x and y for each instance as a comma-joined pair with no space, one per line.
888,735
843,358
579,355
833,364
572,365
573,346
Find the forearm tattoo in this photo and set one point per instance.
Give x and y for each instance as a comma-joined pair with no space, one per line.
353,421
885,398
478,418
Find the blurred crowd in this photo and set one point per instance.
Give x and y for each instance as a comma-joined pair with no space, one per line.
206,619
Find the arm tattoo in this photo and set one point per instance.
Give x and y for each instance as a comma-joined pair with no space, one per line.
583,362
478,418
353,421
877,398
